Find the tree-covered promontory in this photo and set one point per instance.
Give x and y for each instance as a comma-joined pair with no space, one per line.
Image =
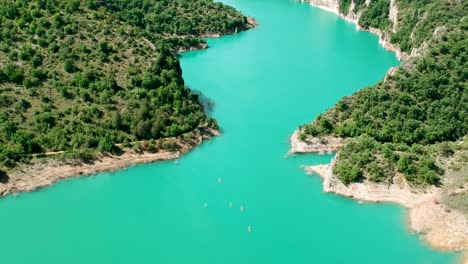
418,116
86,75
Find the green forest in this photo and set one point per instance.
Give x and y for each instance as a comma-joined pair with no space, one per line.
416,116
86,75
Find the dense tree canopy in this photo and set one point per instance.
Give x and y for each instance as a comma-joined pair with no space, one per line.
88,74
398,125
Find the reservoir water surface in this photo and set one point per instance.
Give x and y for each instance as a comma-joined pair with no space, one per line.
265,82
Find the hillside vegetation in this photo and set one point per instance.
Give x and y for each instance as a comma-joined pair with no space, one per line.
82,76
419,114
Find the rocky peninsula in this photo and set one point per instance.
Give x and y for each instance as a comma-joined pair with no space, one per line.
110,93
441,227
429,213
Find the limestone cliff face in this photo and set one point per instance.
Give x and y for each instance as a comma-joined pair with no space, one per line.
351,16
329,5
333,6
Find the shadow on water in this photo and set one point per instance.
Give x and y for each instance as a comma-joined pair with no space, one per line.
207,102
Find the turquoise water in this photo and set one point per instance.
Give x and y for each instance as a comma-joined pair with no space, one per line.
265,82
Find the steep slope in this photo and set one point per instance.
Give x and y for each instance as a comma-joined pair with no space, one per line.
417,112
80,77
406,134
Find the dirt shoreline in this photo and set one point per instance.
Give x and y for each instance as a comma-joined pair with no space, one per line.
30,177
251,23
440,227
309,144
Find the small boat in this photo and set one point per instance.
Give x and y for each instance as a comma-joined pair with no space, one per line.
206,205
230,204
249,229
242,208
220,180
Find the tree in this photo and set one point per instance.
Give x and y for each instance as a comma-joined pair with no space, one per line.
347,173
14,72
69,66
106,144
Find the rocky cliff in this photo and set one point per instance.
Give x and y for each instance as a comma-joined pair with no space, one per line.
353,17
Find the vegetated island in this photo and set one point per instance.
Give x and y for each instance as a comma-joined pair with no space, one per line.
90,86
404,139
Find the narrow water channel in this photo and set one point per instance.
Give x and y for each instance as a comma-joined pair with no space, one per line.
264,82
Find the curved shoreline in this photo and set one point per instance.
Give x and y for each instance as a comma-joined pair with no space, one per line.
28,177
440,227
251,23
322,145
332,6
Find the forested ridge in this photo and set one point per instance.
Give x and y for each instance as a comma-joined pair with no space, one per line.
418,116
83,76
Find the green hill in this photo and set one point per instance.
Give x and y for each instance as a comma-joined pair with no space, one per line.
83,76
417,116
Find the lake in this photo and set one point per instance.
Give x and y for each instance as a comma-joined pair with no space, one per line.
264,83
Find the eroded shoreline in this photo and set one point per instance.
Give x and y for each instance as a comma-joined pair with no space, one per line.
332,6
441,228
30,177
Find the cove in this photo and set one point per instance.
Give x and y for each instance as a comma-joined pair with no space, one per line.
264,82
